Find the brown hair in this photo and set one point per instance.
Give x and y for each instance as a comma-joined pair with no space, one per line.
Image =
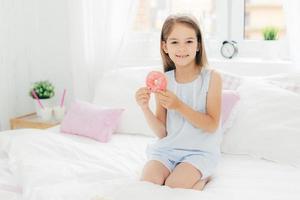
201,59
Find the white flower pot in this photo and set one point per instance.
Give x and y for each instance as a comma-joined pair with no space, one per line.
271,49
47,103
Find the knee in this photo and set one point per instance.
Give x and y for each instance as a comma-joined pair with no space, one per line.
176,183
159,180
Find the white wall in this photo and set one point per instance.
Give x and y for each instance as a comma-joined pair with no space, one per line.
34,45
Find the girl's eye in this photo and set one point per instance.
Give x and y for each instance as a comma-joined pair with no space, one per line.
174,42
190,41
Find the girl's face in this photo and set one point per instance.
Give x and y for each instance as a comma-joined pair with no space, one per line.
181,45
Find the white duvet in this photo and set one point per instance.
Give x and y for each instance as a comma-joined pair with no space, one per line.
9,189
50,165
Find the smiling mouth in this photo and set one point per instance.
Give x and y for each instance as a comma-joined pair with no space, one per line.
181,56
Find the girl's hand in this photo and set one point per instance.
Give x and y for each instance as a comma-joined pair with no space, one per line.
168,100
142,97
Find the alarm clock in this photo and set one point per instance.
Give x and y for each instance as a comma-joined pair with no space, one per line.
229,49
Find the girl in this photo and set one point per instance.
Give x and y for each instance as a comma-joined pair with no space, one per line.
188,112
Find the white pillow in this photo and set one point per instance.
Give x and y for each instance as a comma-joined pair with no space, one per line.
267,124
289,81
117,89
230,81
289,78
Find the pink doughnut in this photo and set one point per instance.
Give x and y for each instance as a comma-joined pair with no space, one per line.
156,81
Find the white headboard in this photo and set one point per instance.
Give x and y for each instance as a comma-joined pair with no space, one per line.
252,67
239,66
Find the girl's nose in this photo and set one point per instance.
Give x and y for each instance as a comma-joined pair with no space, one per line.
181,47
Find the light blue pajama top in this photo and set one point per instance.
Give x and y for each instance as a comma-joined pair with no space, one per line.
184,139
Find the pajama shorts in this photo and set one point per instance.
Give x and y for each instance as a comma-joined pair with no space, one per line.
205,162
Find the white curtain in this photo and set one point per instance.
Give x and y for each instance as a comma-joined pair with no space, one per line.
34,46
12,67
97,33
8,93
292,13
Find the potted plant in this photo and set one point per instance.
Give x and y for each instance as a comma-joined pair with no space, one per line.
270,35
42,92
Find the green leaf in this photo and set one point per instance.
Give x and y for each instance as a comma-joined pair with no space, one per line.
43,89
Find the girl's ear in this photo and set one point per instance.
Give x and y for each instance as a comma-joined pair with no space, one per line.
164,47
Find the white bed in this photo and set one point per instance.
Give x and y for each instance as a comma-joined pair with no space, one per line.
59,166
260,158
9,188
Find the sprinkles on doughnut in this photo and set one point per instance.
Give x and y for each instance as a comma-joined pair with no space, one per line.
156,81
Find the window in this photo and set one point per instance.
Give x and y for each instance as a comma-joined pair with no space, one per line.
261,14
240,20
248,20
152,13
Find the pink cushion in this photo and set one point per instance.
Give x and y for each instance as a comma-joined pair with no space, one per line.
229,99
91,121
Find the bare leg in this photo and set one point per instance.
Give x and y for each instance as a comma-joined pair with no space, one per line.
155,172
201,184
184,175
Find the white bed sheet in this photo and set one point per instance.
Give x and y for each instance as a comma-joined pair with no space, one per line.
9,189
57,166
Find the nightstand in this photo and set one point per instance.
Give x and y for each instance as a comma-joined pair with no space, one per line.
32,121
